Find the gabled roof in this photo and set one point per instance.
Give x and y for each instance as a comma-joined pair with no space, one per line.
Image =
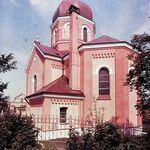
58,87
50,50
103,39
103,42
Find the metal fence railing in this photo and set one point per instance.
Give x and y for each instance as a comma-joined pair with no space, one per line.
52,127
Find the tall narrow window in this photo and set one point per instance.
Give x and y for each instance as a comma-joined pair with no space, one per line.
35,83
54,37
85,34
66,32
63,114
104,82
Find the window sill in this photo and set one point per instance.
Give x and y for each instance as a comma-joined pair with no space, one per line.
104,97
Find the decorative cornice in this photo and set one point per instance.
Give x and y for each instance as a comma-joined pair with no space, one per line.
57,96
103,55
87,19
104,45
64,102
56,66
60,42
66,18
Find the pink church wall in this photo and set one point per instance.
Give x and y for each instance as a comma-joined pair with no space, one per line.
53,70
134,116
76,24
34,107
63,46
66,68
122,92
104,58
60,44
50,107
90,25
46,108
73,54
119,104
36,68
86,82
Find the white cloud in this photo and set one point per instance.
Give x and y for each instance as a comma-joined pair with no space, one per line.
44,7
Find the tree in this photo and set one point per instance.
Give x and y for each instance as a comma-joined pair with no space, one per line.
7,63
139,76
16,131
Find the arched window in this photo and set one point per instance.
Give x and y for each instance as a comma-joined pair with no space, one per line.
66,31
63,114
85,34
35,83
104,82
54,36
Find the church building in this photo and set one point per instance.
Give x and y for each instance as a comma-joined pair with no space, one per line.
80,75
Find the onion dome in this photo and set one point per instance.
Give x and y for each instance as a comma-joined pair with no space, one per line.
63,9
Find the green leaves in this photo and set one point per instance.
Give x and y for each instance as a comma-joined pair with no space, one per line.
139,76
17,132
7,62
107,136
103,136
141,42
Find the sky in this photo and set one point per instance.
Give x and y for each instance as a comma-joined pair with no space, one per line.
21,21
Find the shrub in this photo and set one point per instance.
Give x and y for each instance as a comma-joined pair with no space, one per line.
17,132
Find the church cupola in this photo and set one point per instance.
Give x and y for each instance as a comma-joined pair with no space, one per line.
61,26
63,9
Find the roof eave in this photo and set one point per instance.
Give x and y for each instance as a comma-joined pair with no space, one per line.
85,44
45,55
108,44
42,94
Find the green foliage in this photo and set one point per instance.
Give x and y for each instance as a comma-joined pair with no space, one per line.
136,142
139,75
107,136
103,136
17,132
74,140
7,63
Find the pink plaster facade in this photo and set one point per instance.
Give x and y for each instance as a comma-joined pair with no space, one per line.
80,61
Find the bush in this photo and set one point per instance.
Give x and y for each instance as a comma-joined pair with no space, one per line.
107,136
103,136
17,132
